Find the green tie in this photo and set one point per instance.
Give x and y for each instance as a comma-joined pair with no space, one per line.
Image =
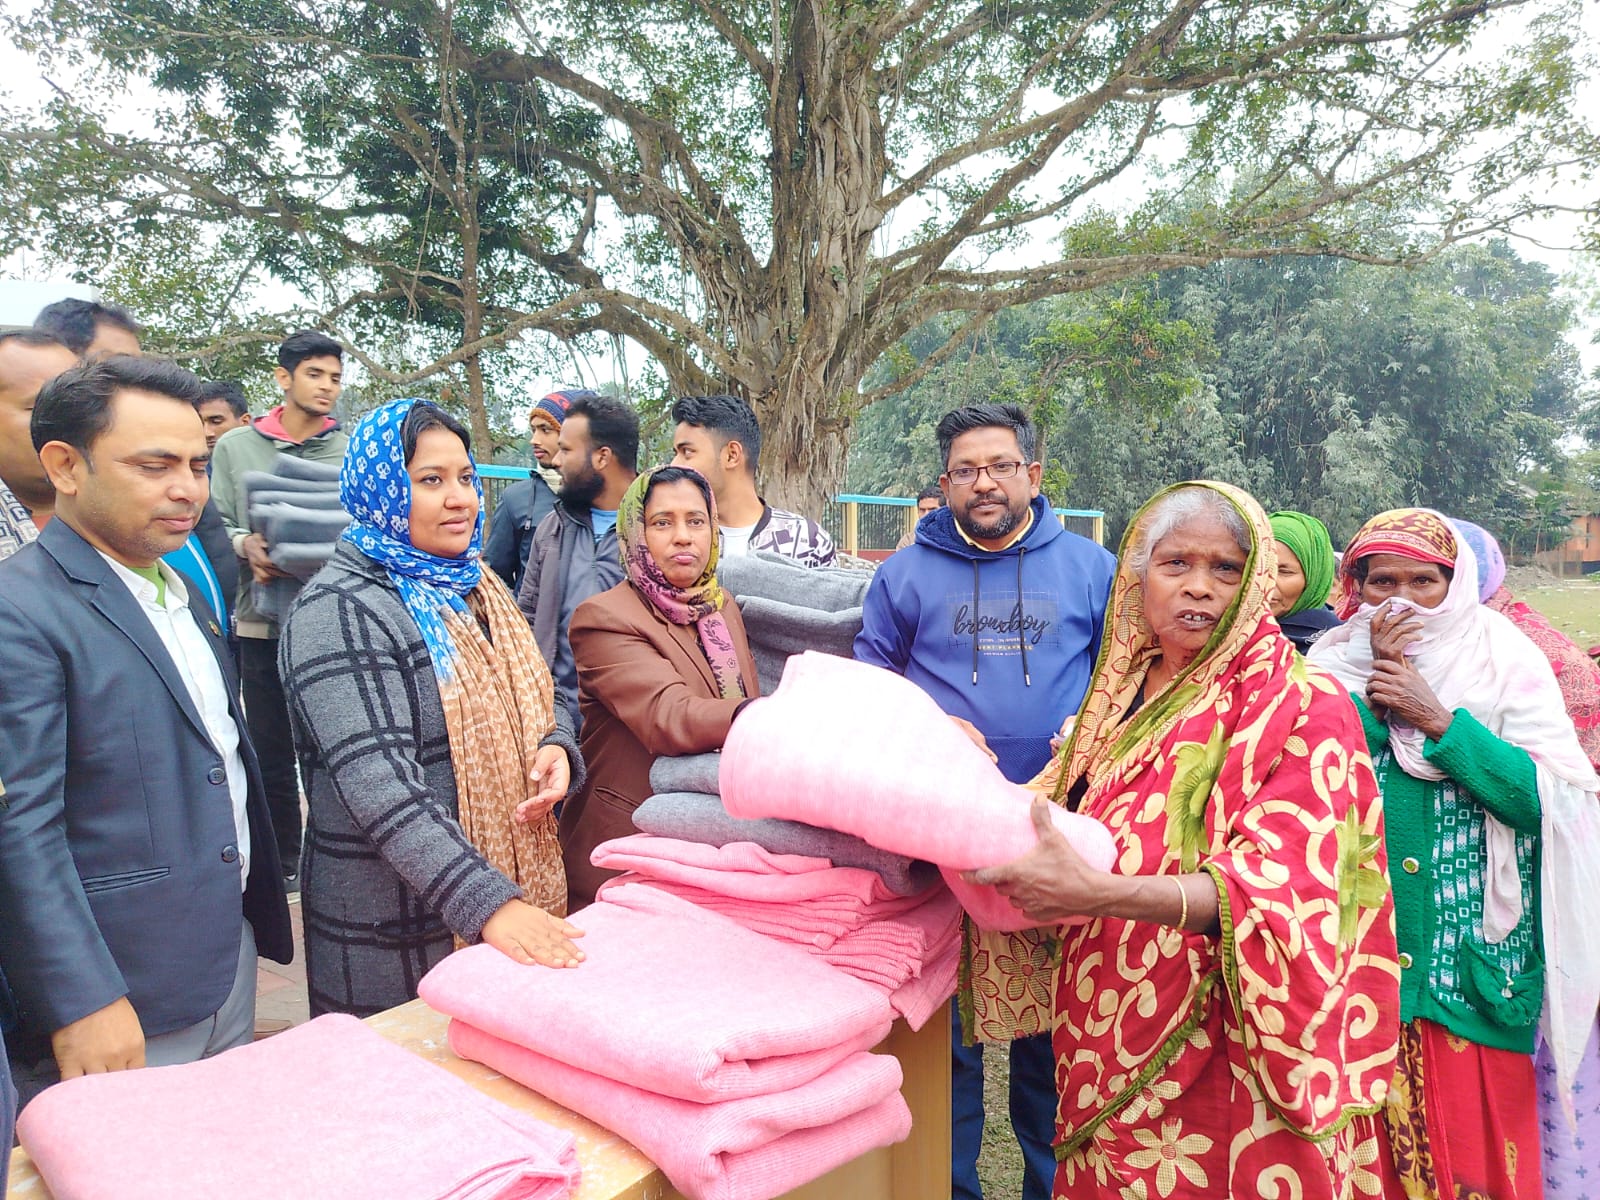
154,575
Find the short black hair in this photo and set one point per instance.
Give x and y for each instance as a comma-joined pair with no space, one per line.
728,417
670,474
426,415
307,343
226,389
72,322
986,416
612,423
32,337
932,492
75,406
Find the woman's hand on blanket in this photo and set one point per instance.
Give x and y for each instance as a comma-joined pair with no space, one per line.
552,775
1402,692
1051,883
972,731
532,936
108,1039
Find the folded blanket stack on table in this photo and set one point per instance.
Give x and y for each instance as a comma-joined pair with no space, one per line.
295,506
896,773
904,946
366,1119
737,1064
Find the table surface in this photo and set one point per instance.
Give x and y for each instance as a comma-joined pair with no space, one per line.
614,1170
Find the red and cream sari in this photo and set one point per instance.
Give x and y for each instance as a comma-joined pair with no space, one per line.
1247,1063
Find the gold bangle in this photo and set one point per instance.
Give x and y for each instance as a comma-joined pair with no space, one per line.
1183,897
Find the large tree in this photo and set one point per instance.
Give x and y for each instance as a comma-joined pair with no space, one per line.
768,197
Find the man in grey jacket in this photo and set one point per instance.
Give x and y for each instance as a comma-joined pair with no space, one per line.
574,554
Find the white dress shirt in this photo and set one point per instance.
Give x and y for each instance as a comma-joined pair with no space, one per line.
191,654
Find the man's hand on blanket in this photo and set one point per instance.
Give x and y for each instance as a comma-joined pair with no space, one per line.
256,554
552,774
972,731
109,1039
532,936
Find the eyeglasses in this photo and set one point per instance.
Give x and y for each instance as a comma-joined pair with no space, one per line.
997,471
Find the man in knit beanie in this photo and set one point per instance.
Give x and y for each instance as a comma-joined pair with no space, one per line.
526,502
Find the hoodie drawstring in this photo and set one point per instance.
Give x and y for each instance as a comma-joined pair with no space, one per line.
975,624
1022,624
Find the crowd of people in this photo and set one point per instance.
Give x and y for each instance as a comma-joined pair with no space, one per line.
1345,948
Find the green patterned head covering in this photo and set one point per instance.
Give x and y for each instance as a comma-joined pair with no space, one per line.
1308,538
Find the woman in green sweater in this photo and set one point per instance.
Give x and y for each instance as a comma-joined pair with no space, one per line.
1478,766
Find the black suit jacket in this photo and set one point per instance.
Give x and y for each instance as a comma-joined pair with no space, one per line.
119,872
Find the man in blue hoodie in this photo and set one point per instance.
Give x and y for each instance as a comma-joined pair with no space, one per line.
995,611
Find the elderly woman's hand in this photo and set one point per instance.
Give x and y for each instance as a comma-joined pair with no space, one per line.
1050,883
554,772
1399,690
532,936
1392,630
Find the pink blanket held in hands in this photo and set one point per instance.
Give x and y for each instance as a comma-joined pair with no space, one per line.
898,773
327,1110
753,1148
677,1001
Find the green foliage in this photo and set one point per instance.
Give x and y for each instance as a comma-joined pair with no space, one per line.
1316,384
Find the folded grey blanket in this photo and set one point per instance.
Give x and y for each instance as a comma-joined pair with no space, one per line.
789,608
290,467
268,481
325,501
686,773
694,817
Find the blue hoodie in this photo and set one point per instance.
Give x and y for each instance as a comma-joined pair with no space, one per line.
1006,639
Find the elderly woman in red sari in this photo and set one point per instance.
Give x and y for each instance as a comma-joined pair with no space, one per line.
1489,806
1225,1005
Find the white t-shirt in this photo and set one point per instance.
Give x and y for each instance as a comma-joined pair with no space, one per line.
736,540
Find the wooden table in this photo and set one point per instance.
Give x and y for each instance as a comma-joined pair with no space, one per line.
916,1169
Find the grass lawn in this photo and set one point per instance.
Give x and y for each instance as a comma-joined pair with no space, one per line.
1573,608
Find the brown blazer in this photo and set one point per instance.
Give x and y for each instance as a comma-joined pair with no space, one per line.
644,689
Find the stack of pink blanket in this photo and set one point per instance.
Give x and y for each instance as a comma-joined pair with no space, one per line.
736,1063
329,1109
905,946
897,774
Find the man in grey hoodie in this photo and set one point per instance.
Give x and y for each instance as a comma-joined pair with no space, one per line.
574,554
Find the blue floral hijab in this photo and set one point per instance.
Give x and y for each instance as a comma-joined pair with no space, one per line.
376,491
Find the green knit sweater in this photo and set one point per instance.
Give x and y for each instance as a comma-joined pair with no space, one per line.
1434,830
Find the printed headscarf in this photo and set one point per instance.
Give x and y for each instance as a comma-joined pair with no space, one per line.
376,491
495,689
1308,539
1409,532
1491,561
700,604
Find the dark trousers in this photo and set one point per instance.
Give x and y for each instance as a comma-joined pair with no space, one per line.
1033,1112
266,713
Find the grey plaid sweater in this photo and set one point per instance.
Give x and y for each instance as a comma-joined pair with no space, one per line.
388,876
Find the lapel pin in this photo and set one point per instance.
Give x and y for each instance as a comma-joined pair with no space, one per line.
216,630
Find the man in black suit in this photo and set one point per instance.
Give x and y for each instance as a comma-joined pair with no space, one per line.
138,872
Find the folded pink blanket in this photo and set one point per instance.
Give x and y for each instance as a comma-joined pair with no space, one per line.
911,957
919,999
328,1109
897,773
749,1149
678,1001
744,871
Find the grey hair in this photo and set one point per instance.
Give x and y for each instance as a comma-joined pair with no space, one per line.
1175,510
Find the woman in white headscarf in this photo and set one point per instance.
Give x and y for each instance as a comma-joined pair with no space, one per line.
1494,853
